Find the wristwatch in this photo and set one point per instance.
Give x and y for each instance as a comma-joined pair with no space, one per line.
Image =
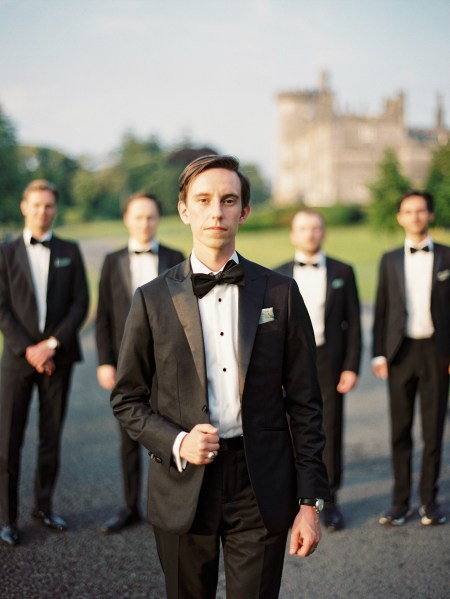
315,503
52,343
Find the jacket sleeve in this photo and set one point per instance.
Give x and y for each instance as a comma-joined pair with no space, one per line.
303,400
15,334
380,313
104,319
352,356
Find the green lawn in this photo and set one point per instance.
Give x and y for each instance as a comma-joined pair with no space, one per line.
358,244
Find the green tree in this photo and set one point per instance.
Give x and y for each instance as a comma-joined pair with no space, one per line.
438,184
260,188
11,178
385,191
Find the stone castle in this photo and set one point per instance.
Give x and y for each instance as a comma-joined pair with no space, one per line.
327,156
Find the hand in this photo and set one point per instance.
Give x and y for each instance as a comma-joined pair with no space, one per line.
197,444
106,376
305,533
380,370
48,368
37,355
347,381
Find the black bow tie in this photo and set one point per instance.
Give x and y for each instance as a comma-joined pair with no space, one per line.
426,248
138,252
232,273
35,241
314,264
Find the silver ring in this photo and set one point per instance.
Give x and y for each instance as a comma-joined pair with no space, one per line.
211,455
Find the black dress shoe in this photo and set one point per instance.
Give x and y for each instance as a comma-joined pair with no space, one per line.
124,518
9,534
50,520
333,518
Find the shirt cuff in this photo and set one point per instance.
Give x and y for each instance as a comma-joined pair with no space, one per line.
180,462
378,360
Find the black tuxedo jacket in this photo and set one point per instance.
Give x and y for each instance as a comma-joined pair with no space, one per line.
162,390
342,314
114,300
390,306
67,302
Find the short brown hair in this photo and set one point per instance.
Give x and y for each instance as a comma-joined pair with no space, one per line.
311,212
425,195
205,163
40,185
142,194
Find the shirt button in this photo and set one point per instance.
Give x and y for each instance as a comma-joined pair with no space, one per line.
224,369
221,333
220,299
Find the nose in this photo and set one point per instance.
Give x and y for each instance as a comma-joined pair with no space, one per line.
216,208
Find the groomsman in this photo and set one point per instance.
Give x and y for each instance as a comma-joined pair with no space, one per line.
411,349
329,290
43,303
143,259
217,379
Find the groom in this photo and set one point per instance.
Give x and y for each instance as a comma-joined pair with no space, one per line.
217,379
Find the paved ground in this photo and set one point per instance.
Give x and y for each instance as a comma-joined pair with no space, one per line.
364,560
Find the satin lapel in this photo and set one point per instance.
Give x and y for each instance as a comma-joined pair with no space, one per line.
125,272
186,306
251,299
436,264
399,266
23,265
51,264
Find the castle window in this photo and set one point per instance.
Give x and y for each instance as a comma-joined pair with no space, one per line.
366,134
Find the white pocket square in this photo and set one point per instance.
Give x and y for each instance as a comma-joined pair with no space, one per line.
60,262
266,315
337,283
443,275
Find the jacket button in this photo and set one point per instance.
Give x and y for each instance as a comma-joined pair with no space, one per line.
205,409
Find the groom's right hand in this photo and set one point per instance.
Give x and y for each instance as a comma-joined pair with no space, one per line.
197,445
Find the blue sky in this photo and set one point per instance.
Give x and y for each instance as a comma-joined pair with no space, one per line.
76,76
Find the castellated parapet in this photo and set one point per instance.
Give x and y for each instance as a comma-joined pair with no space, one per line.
328,156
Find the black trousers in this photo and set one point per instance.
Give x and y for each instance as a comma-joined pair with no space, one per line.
227,513
130,458
15,398
333,421
418,367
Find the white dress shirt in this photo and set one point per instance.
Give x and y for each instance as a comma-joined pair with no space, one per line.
418,279
312,282
143,266
219,318
39,259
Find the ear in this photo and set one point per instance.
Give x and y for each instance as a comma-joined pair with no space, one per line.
23,207
183,212
244,214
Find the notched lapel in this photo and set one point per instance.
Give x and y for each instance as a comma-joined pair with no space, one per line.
125,271
186,306
399,266
251,299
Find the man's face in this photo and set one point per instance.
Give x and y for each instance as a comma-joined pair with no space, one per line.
213,209
39,210
142,220
307,233
414,217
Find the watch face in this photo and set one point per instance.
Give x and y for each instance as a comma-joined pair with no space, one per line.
52,343
319,504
